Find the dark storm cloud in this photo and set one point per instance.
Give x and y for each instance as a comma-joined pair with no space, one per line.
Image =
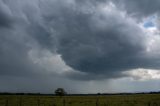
42,36
5,20
90,39
100,42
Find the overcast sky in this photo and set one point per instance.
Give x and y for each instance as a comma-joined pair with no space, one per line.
83,46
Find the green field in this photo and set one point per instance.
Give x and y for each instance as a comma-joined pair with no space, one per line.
110,100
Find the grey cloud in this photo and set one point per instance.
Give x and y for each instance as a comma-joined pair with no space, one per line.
95,43
19,72
89,48
14,54
139,8
5,20
99,43
88,39
15,44
42,36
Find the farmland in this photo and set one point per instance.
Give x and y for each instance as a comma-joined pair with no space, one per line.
99,100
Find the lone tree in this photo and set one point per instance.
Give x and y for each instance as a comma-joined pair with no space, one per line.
60,92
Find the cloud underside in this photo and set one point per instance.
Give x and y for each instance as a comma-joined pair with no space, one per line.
82,40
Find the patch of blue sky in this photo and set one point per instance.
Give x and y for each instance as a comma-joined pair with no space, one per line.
150,22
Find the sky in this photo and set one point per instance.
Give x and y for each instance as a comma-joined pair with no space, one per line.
83,46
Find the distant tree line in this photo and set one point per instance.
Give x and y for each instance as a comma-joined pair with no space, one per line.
62,92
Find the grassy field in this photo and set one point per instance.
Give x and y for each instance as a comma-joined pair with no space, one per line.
110,100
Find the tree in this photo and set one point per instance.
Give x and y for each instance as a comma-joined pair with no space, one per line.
60,92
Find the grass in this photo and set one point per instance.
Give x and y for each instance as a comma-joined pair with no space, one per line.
110,100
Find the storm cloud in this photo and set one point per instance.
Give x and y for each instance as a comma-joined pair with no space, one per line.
77,39
102,41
